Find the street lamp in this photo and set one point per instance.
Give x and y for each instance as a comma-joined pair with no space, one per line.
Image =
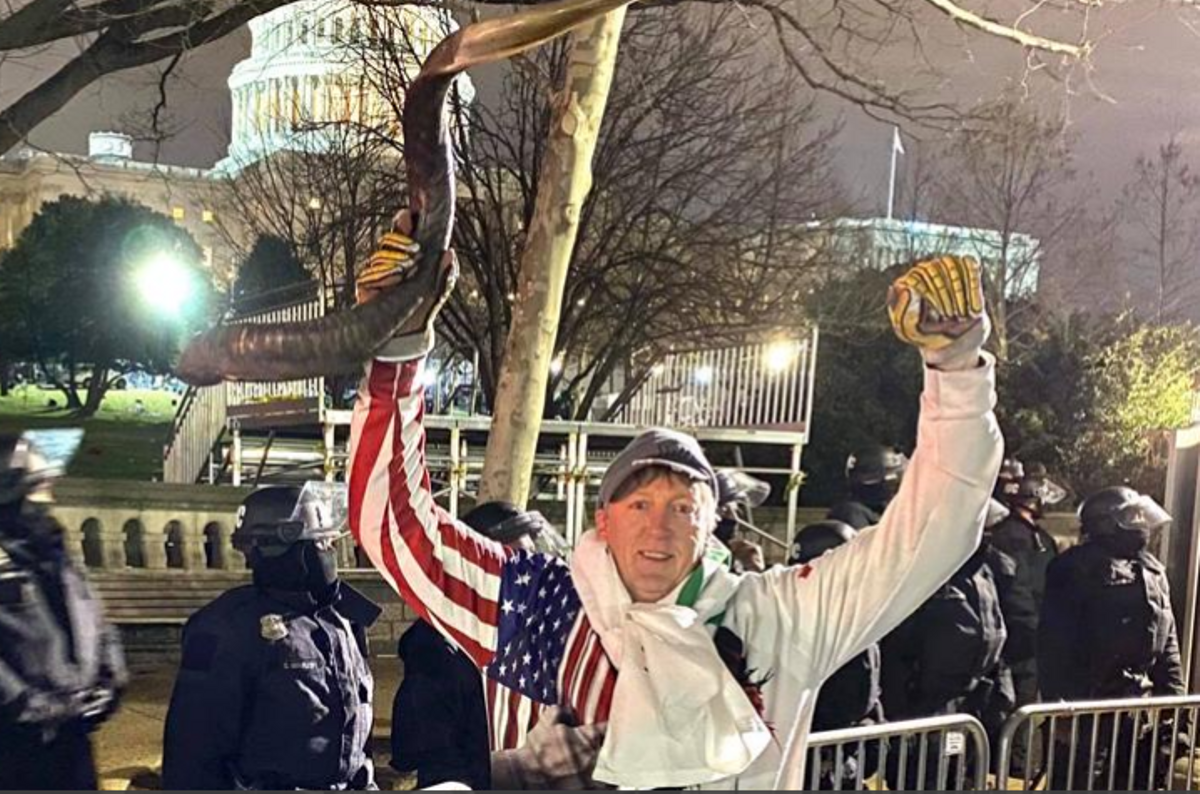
780,355
165,284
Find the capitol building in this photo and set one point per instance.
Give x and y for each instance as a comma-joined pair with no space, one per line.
304,78
306,72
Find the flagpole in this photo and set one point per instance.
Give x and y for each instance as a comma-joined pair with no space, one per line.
892,178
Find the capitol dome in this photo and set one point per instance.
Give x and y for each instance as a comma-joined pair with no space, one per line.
305,70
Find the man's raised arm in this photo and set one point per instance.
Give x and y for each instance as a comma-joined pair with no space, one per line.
839,604
448,574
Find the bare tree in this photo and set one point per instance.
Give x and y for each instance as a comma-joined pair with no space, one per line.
329,201
829,44
695,231
1002,179
1161,211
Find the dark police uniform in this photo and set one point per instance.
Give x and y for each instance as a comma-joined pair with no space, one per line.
439,717
1107,631
1032,548
274,692
947,658
61,665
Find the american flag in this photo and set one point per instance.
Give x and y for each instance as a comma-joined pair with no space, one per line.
517,615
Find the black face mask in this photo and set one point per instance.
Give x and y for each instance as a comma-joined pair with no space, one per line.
302,568
1125,542
876,495
725,529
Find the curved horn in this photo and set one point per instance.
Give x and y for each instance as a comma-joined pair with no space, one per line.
341,342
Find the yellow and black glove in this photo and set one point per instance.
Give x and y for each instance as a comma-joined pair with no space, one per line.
386,267
938,307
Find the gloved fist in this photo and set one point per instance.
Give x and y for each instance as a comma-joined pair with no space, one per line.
386,267
938,307
97,704
393,263
556,756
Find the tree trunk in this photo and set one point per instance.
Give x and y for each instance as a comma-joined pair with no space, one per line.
564,183
95,393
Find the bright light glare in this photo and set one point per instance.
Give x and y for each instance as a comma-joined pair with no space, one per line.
165,284
780,355
556,366
704,375
429,377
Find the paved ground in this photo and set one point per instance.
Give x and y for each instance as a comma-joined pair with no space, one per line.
129,747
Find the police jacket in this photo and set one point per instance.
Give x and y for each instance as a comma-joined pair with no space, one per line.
946,657
1032,547
1107,629
60,660
273,692
439,719
852,695
1018,603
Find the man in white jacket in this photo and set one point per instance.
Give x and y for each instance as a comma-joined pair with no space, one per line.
704,678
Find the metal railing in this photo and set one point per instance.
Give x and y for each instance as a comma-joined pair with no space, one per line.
915,755
197,427
1102,745
767,385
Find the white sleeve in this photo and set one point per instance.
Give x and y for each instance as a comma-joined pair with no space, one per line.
830,610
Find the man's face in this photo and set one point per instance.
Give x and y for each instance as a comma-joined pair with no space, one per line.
658,534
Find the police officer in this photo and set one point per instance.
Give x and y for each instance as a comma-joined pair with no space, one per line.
273,690
947,657
439,716
851,697
737,494
1107,630
873,475
61,666
1026,492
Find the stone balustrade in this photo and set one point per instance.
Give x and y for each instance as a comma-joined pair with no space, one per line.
116,525
113,525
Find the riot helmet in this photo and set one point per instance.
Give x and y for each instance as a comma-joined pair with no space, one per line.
506,523
30,462
874,474
1028,488
737,492
815,539
1121,517
288,535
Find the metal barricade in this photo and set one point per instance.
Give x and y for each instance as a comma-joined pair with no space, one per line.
1101,745
949,753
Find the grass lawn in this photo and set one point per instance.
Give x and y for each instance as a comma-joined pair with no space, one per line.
122,441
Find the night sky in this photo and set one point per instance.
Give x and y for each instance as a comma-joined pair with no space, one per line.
1147,62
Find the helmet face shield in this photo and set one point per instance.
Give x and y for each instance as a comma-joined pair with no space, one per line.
35,461
1142,515
322,509
548,540
56,448
318,513
738,488
1048,492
